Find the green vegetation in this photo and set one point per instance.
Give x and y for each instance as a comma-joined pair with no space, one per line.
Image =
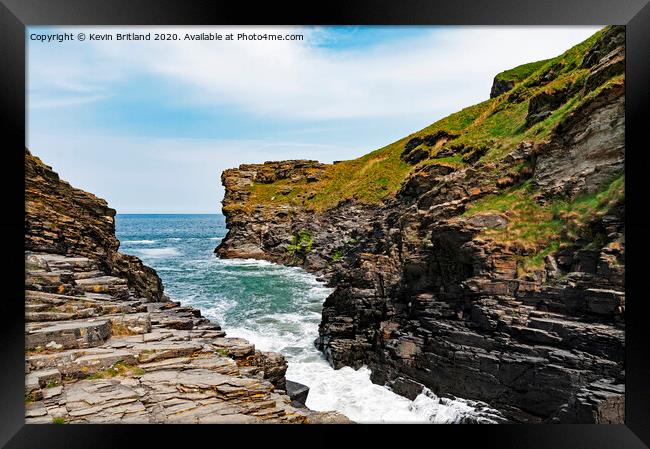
577,214
539,228
498,124
529,223
58,420
301,243
118,369
521,72
337,256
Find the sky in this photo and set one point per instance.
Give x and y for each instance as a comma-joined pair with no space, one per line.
150,125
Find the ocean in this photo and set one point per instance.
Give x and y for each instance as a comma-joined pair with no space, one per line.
275,307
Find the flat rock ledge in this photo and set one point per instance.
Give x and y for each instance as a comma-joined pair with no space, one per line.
98,353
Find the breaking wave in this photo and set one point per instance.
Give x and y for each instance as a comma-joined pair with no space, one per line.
277,308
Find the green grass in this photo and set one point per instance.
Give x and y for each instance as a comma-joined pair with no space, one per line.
58,420
521,72
118,369
530,224
455,161
540,229
578,213
337,256
498,124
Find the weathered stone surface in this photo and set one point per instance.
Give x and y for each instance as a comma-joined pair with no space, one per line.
426,297
105,346
298,393
586,149
64,221
233,347
543,104
118,368
66,335
500,86
129,324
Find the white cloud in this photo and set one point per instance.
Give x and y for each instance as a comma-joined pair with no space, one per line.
388,90
301,81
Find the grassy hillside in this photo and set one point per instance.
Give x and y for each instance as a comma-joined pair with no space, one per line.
520,72
486,131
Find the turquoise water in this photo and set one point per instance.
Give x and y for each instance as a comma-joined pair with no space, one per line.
275,307
180,248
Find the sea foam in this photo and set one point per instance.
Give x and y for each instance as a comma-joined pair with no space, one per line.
158,252
279,309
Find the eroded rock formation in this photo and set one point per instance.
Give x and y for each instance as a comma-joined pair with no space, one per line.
104,345
449,283
61,219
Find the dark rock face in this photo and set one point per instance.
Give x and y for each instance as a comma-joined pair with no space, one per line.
500,86
446,310
61,219
417,149
257,234
611,40
298,393
266,231
426,300
543,104
586,149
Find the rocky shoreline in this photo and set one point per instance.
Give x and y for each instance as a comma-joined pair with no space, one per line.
104,344
436,286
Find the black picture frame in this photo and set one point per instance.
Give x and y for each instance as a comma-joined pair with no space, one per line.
15,15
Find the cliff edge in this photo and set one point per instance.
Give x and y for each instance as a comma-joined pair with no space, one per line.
105,345
481,257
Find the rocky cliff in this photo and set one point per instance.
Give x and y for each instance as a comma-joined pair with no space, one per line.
61,219
104,345
481,257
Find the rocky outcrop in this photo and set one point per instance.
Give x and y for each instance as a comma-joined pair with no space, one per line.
252,233
500,86
268,231
61,219
429,295
104,345
586,149
97,353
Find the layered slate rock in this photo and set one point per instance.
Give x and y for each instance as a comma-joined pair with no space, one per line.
430,296
104,345
63,220
114,357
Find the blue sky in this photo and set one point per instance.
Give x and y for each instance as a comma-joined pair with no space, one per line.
150,125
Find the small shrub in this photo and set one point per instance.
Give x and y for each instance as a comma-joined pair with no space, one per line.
301,244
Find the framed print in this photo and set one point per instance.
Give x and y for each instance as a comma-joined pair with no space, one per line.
366,213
